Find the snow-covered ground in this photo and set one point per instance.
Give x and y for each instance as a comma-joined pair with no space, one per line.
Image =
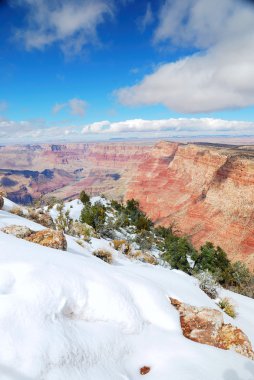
75,207
70,316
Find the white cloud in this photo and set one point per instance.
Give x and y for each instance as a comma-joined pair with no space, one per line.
32,130
77,107
221,76
73,23
181,126
38,130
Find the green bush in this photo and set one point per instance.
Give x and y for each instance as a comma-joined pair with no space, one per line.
145,240
179,253
94,215
117,206
213,260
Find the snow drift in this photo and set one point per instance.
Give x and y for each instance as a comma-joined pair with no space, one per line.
68,315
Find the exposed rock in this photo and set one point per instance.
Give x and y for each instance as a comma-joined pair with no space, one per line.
40,217
49,238
144,370
1,202
206,190
21,232
206,326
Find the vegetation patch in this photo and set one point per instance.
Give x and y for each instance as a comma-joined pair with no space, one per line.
103,255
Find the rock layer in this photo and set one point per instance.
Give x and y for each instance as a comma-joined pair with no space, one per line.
206,191
206,326
27,172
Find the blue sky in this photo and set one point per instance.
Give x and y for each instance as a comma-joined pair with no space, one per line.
67,66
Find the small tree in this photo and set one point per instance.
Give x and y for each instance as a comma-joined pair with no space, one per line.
84,197
63,222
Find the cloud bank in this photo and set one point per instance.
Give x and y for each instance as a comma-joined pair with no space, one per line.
38,130
220,76
32,130
181,126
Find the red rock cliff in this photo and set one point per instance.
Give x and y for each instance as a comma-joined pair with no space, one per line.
207,191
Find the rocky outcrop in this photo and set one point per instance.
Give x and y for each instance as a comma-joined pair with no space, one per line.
49,238
21,232
206,191
46,238
206,326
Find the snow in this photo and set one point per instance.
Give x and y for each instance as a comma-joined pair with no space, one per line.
69,315
75,207
8,205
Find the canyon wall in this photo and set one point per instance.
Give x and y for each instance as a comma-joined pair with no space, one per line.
206,191
63,170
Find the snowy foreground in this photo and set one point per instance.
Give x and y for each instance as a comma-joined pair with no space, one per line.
70,316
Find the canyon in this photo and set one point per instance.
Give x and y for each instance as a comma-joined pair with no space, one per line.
203,190
64,170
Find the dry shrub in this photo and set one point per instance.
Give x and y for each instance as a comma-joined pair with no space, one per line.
227,306
40,217
17,211
145,257
103,255
82,230
122,246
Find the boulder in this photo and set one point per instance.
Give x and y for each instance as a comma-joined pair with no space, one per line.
206,326
49,238
144,370
21,232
